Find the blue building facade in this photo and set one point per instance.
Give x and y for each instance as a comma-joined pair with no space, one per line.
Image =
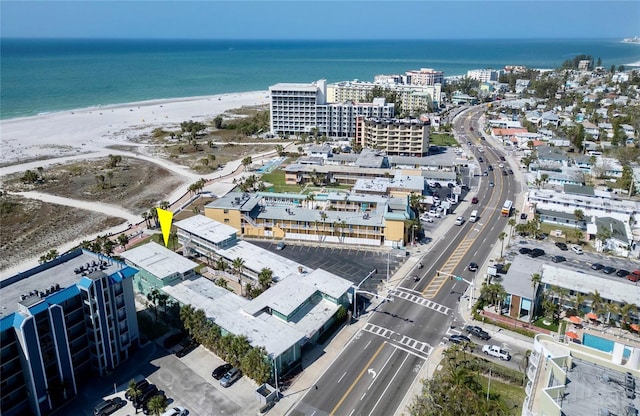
70,319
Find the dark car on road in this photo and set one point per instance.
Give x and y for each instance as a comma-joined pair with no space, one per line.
597,266
502,158
480,160
524,250
221,371
536,252
562,246
608,270
473,267
510,171
459,339
523,216
477,332
558,259
622,273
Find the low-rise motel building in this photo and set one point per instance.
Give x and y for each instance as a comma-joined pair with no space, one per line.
331,217
62,324
300,306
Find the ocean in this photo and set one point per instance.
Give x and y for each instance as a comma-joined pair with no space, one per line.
39,76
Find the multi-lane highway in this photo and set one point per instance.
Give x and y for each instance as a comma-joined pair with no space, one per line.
375,371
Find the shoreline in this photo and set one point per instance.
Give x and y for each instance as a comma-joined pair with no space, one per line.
71,132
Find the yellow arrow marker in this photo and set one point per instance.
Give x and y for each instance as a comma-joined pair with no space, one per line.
165,217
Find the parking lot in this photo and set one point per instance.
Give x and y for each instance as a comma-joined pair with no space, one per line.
353,264
186,382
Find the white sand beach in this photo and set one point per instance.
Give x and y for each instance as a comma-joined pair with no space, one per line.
73,132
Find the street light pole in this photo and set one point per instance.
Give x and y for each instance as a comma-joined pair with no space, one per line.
388,260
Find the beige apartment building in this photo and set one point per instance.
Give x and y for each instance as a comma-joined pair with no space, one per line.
401,137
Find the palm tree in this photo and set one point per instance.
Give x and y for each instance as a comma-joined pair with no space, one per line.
157,405
597,303
173,236
133,391
536,279
164,205
221,264
323,217
123,240
501,237
579,216
196,209
512,223
626,310
145,217
238,267
311,198
265,277
578,301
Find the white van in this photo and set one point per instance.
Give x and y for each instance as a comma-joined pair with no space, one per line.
474,216
577,249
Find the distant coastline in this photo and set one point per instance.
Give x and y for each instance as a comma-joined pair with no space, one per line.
44,76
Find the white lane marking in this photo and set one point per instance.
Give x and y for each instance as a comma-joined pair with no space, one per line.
351,412
388,385
341,377
362,398
365,347
381,369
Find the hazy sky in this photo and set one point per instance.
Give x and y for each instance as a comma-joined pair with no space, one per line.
301,19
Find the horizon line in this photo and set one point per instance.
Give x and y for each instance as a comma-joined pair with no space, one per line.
305,40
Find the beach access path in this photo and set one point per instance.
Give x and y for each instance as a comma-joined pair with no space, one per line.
63,138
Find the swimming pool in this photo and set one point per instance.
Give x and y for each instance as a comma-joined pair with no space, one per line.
601,344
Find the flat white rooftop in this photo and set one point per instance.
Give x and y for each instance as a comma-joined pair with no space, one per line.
159,261
207,229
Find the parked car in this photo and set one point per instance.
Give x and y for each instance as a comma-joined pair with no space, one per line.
500,165
480,160
176,411
187,347
608,270
491,184
577,249
473,267
523,216
173,340
230,377
474,200
558,259
536,252
427,219
459,339
497,352
451,185
634,276
524,250
435,214
221,370
510,171
490,168
503,159
597,266
562,246
622,273
477,332
281,245
109,406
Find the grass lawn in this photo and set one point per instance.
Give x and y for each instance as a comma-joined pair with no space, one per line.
511,394
440,139
540,324
276,178
150,328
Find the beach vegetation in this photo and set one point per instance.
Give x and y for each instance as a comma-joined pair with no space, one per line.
30,176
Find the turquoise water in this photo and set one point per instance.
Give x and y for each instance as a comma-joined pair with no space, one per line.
601,344
50,75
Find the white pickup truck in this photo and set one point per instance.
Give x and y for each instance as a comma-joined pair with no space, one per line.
495,351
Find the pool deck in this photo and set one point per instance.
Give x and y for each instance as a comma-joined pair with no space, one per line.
614,334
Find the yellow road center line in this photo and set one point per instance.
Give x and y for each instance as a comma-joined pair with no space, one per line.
365,368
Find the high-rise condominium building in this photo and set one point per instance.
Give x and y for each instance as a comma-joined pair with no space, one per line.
401,137
62,323
303,108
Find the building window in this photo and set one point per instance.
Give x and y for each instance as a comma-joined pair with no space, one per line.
226,220
226,211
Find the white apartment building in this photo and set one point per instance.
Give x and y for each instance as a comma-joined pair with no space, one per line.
415,98
303,108
484,75
425,76
402,137
600,204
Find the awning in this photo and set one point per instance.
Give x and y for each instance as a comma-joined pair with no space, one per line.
635,327
593,316
571,334
575,319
